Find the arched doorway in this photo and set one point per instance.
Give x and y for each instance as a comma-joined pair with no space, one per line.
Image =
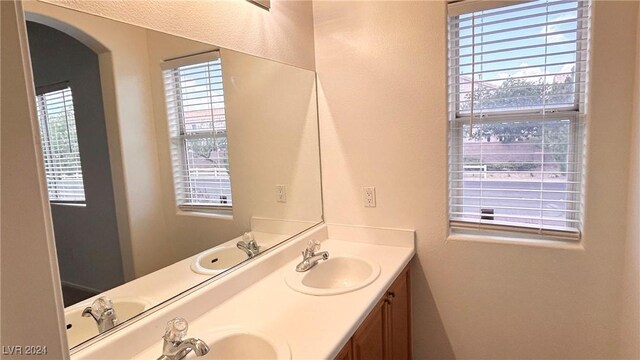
76,151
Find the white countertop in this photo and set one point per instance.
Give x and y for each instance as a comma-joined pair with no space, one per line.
158,286
315,327
165,283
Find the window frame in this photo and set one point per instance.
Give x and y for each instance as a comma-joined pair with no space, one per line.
576,115
41,91
178,143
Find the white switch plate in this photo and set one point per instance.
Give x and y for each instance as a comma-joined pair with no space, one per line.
281,193
369,196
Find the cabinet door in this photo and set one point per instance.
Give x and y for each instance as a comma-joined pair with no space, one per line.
398,309
345,353
369,340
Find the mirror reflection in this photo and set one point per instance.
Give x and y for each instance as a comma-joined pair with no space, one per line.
167,160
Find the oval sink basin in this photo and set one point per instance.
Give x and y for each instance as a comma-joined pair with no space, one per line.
80,329
338,275
217,260
246,344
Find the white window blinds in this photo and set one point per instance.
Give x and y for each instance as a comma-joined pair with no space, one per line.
517,92
198,131
60,145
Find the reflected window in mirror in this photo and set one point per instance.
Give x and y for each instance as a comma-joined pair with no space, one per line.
198,132
59,140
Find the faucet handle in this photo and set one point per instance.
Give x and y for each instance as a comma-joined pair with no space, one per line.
100,306
253,246
176,329
313,245
248,236
102,311
250,240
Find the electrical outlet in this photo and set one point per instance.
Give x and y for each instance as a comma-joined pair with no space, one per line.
281,193
369,196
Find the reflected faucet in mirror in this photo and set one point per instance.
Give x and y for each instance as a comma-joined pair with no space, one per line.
174,347
102,311
249,245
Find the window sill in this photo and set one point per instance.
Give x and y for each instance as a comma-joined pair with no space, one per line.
67,204
521,240
211,214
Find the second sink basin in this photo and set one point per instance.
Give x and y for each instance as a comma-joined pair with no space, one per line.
338,275
246,344
217,260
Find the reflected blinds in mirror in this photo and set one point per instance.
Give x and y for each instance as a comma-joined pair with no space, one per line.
198,131
60,145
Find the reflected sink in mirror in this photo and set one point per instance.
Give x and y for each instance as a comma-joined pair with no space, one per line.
337,275
81,328
217,260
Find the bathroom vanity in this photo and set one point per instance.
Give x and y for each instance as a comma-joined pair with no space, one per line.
371,322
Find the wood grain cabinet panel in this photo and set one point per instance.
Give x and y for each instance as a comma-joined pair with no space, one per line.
369,341
398,307
346,353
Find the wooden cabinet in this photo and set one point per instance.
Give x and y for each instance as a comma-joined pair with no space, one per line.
346,353
398,316
369,341
386,332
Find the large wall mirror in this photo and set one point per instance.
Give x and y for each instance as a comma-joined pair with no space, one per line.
168,161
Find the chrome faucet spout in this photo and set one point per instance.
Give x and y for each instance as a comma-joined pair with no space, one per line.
87,312
249,245
310,257
251,248
173,351
174,347
323,255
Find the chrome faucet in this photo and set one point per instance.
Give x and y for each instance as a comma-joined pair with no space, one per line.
249,245
310,257
174,348
102,311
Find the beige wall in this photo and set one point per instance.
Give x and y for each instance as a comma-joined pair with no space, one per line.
285,33
265,100
630,314
382,76
140,151
131,132
31,297
272,139
186,234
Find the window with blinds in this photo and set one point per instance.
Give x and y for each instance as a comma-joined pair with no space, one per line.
517,92
198,132
60,144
